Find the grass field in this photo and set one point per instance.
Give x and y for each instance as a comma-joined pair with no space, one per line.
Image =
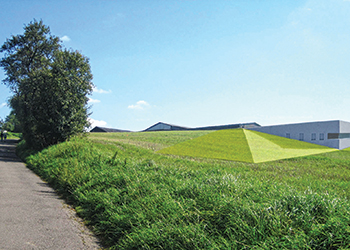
135,198
243,145
265,147
151,140
228,144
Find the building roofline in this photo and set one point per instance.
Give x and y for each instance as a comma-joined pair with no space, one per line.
111,130
238,125
172,125
297,123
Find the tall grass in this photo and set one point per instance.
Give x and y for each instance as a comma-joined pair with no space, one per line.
137,199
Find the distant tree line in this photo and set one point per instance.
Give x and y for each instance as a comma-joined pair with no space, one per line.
50,85
10,123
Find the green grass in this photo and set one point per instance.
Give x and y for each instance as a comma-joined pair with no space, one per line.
265,147
150,140
230,144
244,145
11,135
135,198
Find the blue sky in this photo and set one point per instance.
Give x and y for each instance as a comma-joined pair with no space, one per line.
197,63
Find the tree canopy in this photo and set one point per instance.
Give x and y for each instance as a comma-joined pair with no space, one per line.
11,123
50,85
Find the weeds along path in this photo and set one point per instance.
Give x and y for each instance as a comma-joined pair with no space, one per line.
31,214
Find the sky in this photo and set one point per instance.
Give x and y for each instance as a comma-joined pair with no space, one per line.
198,63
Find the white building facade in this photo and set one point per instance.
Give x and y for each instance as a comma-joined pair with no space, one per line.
334,134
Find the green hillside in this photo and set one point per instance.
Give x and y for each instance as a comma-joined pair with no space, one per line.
244,145
229,144
135,198
266,147
154,140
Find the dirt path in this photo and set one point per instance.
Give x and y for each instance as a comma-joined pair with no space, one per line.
32,216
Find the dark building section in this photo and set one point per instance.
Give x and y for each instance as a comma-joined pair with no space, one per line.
229,126
106,130
161,126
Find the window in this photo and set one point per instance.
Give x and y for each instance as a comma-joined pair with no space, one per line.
313,136
344,135
338,135
287,135
301,136
333,136
321,136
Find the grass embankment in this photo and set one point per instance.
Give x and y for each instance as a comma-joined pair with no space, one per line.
265,147
137,199
244,145
230,144
151,140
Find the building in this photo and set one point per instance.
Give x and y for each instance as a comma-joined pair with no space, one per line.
229,126
106,130
334,134
161,126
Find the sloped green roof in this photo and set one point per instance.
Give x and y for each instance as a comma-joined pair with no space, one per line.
228,144
244,145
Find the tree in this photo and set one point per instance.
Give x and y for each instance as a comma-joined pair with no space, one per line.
11,123
50,86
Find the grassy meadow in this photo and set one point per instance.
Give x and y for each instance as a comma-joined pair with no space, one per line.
136,198
151,140
265,147
243,145
230,144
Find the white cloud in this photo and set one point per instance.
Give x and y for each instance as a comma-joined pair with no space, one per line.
101,91
93,100
95,123
139,105
3,105
65,39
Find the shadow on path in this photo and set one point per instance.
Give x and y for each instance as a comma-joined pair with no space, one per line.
8,151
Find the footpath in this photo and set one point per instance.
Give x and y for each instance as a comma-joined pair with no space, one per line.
32,216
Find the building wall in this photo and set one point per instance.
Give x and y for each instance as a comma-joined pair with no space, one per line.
344,143
345,129
311,132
